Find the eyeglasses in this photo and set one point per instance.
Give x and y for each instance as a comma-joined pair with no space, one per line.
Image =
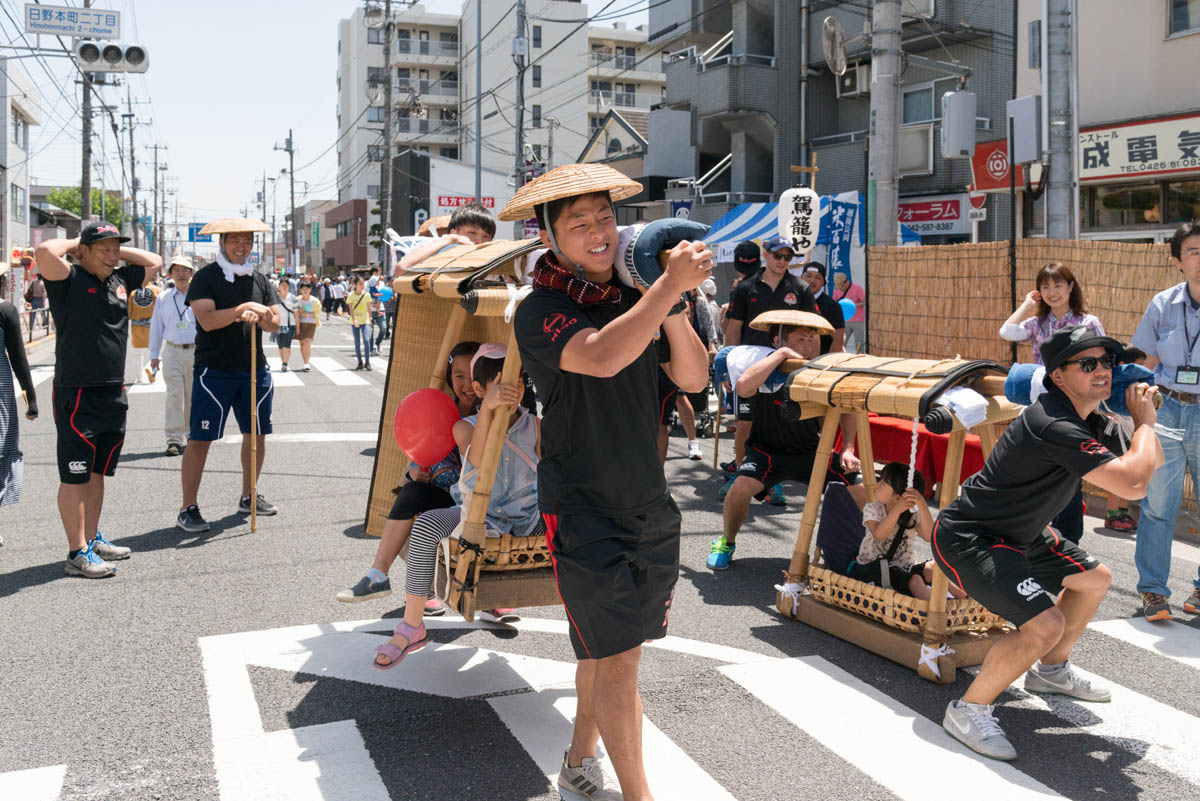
1089,364
783,256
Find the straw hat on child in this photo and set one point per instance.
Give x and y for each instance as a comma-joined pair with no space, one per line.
570,180
813,322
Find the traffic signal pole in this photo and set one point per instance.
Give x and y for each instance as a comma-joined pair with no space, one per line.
85,177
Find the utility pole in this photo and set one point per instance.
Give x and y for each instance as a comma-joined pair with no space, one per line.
385,178
133,186
291,151
1059,188
154,219
85,179
519,49
162,216
883,186
262,202
478,100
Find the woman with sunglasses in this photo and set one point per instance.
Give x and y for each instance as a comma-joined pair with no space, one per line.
1057,303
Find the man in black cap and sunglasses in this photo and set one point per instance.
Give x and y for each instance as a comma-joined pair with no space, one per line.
89,303
995,541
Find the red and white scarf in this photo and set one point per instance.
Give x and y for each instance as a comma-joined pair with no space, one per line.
550,274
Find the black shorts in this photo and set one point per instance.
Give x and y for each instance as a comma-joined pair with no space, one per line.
666,398
744,408
771,467
616,576
91,429
1018,583
417,497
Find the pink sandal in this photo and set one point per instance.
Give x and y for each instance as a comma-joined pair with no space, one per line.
417,640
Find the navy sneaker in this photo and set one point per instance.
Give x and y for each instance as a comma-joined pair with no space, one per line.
365,590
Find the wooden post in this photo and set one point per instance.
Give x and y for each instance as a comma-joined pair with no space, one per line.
987,438
935,623
454,327
812,170
474,526
866,452
798,569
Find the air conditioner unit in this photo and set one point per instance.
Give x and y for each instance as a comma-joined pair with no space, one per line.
916,150
855,81
909,9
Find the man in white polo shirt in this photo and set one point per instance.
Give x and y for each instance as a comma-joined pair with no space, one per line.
173,334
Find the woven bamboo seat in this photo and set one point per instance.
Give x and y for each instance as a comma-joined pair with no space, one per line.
506,552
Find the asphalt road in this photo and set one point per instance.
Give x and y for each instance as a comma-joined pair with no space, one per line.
219,666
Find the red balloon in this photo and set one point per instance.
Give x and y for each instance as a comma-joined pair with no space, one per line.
424,426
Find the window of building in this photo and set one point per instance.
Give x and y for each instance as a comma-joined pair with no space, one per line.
537,116
403,42
403,79
1183,201
20,205
375,114
375,35
537,76
614,147
375,153
373,191
1128,204
347,228
923,102
1184,17
594,123
537,35
20,131
450,152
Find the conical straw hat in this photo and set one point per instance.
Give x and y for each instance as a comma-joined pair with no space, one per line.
235,225
442,224
569,180
767,320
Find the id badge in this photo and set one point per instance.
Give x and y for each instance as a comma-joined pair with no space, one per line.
1187,376
181,325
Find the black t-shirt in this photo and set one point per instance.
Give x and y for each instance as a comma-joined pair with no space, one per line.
91,318
228,348
599,435
769,430
1034,470
753,296
828,308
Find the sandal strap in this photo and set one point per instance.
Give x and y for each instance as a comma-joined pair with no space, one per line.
410,633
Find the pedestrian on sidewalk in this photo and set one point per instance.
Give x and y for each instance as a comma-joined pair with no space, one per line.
308,312
287,323
856,326
359,303
13,361
173,345
378,314
1169,334
35,295
339,296
233,305
89,303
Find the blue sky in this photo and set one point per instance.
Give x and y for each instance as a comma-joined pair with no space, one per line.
227,79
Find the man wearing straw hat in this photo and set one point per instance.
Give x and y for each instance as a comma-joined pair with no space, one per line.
233,304
89,303
173,337
777,449
587,339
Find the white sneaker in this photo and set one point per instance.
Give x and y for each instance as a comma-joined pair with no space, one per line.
584,783
694,451
1067,681
976,727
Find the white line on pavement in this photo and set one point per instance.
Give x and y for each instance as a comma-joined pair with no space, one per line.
36,784
335,372
316,436
1165,638
281,379
837,709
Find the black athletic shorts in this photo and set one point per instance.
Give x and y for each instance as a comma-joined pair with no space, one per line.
91,429
666,398
772,467
616,576
744,408
1017,583
418,497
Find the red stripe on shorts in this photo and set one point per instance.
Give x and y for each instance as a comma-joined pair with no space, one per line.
551,529
933,539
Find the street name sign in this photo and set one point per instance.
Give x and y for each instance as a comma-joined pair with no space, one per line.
93,23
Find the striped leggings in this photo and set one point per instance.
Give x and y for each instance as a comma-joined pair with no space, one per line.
428,530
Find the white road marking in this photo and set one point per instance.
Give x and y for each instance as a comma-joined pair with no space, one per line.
159,386
335,372
838,709
317,436
35,784
1165,638
281,379
1159,733
39,373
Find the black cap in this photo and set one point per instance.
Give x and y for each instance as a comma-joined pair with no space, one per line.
97,231
747,258
1066,342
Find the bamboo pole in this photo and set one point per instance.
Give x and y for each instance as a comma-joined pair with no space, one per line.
866,453
253,429
454,327
987,438
798,569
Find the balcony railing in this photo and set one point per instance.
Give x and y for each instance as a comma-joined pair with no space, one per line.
412,125
625,99
609,60
427,48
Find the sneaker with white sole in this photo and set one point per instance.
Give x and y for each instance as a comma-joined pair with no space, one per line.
107,551
976,727
498,615
191,521
265,507
365,590
1065,681
584,783
87,564
694,451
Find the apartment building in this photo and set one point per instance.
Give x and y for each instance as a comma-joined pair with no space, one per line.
20,110
739,85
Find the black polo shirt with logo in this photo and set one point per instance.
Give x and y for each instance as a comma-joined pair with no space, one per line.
753,296
91,318
829,308
773,433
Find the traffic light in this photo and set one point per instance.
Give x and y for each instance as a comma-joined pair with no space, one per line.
100,57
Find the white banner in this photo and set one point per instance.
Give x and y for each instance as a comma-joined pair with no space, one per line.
1154,147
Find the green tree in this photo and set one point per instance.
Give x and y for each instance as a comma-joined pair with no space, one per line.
71,199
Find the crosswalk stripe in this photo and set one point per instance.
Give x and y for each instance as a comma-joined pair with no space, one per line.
36,784
884,739
159,385
38,373
1165,638
335,372
1157,732
281,379
318,436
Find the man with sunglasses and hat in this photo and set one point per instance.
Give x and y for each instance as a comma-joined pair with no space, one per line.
995,541
588,339
173,346
233,304
89,304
